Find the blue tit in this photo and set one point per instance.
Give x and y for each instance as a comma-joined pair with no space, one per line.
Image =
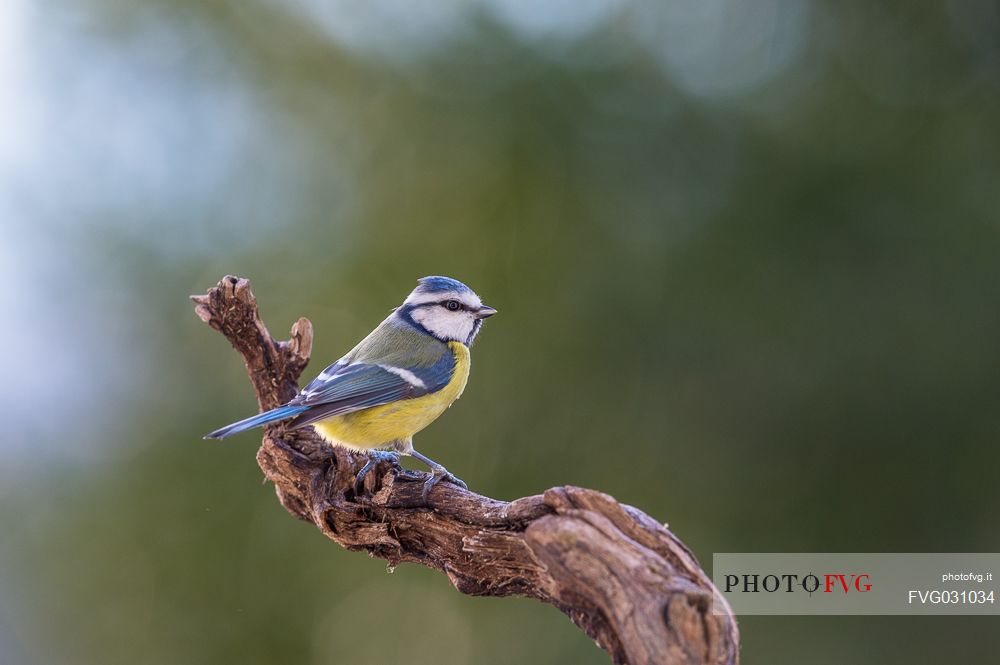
394,383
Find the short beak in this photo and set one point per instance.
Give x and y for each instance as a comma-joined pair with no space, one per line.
485,312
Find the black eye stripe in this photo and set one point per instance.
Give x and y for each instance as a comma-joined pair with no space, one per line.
448,305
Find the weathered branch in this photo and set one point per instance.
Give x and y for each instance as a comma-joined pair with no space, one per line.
622,577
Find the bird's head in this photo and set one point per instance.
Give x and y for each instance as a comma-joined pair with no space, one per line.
446,309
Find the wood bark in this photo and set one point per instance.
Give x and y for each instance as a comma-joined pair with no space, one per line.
621,576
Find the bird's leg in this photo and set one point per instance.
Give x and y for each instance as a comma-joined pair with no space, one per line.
375,457
438,473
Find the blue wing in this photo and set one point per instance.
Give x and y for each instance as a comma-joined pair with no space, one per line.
394,362
344,388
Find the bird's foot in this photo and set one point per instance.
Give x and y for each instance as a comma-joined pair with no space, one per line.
375,457
439,473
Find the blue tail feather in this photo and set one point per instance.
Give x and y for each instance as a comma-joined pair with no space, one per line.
281,413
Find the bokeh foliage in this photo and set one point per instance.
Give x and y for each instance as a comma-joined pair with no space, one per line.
750,287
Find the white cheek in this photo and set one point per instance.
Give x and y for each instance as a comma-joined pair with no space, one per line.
444,324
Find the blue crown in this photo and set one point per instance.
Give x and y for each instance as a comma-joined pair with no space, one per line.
438,284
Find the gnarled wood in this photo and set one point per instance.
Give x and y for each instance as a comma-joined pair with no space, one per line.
622,577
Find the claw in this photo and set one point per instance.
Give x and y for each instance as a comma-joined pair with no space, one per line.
439,473
375,457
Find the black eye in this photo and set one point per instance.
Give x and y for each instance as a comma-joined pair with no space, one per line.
453,305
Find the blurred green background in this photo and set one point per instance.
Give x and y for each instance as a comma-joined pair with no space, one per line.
745,254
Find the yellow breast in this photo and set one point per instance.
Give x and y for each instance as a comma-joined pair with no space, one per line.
397,421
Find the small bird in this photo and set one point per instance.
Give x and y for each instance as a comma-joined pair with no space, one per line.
394,383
